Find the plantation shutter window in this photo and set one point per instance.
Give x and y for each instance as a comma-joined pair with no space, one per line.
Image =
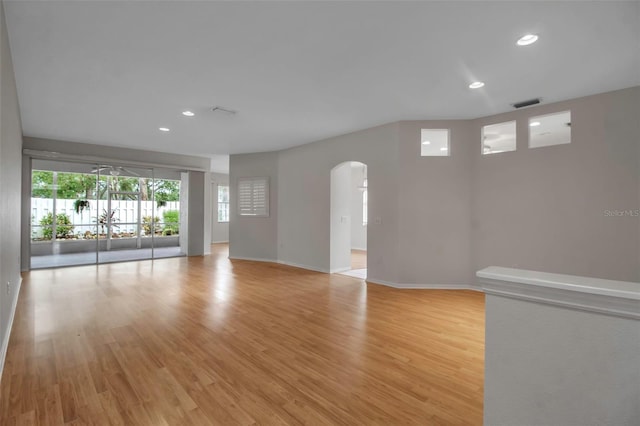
253,196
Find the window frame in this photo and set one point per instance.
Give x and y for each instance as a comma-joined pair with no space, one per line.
223,203
483,142
539,117
446,152
254,210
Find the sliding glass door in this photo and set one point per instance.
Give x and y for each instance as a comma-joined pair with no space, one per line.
120,234
63,209
99,213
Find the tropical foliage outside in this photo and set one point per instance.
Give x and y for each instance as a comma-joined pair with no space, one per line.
87,186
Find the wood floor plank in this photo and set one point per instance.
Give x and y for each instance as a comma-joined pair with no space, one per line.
209,341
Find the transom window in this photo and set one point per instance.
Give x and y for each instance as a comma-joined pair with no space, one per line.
434,143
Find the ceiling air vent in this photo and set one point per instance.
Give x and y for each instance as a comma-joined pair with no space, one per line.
526,103
223,110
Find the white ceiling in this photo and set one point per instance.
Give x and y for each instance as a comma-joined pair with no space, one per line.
112,72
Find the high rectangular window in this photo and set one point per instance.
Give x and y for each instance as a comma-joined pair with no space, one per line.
499,137
434,143
550,129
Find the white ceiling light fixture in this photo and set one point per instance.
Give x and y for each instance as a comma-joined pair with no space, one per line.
188,113
164,129
476,85
534,123
527,39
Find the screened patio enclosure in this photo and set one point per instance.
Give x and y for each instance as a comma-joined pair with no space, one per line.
88,213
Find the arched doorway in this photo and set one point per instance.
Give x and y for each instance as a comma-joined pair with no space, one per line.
349,200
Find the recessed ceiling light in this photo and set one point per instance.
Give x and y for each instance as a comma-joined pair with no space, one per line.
534,123
188,113
476,85
426,143
443,148
164,129
526,40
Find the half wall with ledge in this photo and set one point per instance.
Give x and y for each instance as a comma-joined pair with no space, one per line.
560,349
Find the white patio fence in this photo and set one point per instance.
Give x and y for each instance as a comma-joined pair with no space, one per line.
126,213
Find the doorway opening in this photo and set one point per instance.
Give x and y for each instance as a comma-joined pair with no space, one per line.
86,213
349,217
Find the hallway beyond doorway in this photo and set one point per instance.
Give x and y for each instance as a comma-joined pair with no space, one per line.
358,264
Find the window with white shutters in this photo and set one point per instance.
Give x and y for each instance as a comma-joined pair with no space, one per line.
253,196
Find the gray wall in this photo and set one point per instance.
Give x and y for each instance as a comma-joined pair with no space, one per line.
219,231
304,200
254,237
434,221
10,180
434,208
544,208
196,214
122,154
549,365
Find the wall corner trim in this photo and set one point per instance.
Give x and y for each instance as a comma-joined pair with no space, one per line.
253,259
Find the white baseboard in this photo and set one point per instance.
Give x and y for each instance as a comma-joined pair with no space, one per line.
298,265
253,259
415,286
406,286
219,242
359,248
338,270
5,343
280,262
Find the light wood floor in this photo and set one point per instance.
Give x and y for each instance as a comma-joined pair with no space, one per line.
199,341
358,259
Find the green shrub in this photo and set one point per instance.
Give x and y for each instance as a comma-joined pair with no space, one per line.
146,225
171,222
104,220
64,228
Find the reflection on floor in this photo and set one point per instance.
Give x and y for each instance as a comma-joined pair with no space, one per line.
205,340
358,265
56,260
356,273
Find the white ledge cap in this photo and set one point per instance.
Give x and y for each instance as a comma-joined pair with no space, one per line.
596,286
